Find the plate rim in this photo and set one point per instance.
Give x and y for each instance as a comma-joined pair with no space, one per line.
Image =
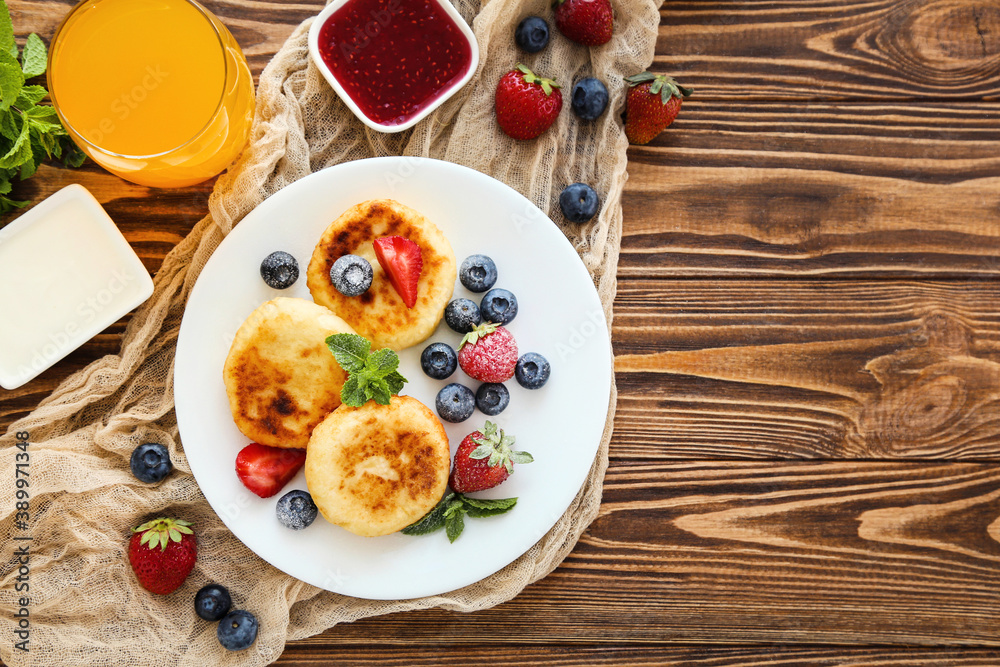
179,369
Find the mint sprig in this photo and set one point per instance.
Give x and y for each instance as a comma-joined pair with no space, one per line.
29,132
450,514
370,375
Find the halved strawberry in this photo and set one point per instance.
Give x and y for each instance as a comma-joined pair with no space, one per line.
265,470
402,262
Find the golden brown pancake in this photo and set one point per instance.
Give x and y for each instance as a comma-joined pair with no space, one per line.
378,468
280,376
380,315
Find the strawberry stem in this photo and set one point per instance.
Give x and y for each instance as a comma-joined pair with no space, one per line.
530,77
661,84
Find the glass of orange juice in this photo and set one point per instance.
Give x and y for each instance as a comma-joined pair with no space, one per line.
156,91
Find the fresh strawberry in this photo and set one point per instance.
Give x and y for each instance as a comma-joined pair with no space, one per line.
651,105
488,353
526,104
484,460
162,553
402,262
265,470
587,22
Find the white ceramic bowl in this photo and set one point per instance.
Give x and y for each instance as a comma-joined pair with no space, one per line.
342,93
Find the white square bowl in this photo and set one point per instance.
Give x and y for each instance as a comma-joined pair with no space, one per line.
317,58
66,274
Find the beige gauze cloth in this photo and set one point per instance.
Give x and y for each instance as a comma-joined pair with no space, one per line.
86,607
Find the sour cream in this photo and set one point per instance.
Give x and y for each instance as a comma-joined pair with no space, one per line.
66,274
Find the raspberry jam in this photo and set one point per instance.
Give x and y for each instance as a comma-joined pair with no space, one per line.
394,57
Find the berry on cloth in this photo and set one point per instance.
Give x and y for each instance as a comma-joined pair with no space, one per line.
587,22
150,462
237,630
212,602
162,553
526,104
579,202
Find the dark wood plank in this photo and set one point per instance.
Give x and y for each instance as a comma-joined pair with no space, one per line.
739,552
762,189
807,368
851,50
324,650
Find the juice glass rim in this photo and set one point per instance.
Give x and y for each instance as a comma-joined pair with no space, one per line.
50,77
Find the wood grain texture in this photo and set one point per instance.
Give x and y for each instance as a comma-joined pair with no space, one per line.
318,651
807,368
784,552
816,189
808,281
851,50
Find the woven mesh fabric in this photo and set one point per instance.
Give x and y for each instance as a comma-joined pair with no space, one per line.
86,606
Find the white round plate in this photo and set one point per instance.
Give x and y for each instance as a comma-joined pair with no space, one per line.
559,316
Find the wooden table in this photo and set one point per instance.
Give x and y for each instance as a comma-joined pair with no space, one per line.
807,339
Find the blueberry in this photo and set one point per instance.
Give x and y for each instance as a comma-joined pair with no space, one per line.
478,273
532,370
455,403
351,275
590,98
579,202
150,462
439,360
279,270
462,315
498,306
492,398
238,630
212,602
532,34
296,510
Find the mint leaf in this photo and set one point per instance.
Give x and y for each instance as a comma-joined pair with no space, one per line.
433,520
352,393
7,204
379,390
371,375
483,512
43,120
34,57
11,80
490,504
395,382
30,96
451,510
350,350
73,156
19,152
7,44
454,524
9,127
382,362
28,168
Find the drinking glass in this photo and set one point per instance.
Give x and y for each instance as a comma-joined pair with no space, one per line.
155,91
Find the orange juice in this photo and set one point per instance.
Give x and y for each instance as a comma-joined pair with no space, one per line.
156,91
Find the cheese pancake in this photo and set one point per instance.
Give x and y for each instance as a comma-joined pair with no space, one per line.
280,376
378,468
380,315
